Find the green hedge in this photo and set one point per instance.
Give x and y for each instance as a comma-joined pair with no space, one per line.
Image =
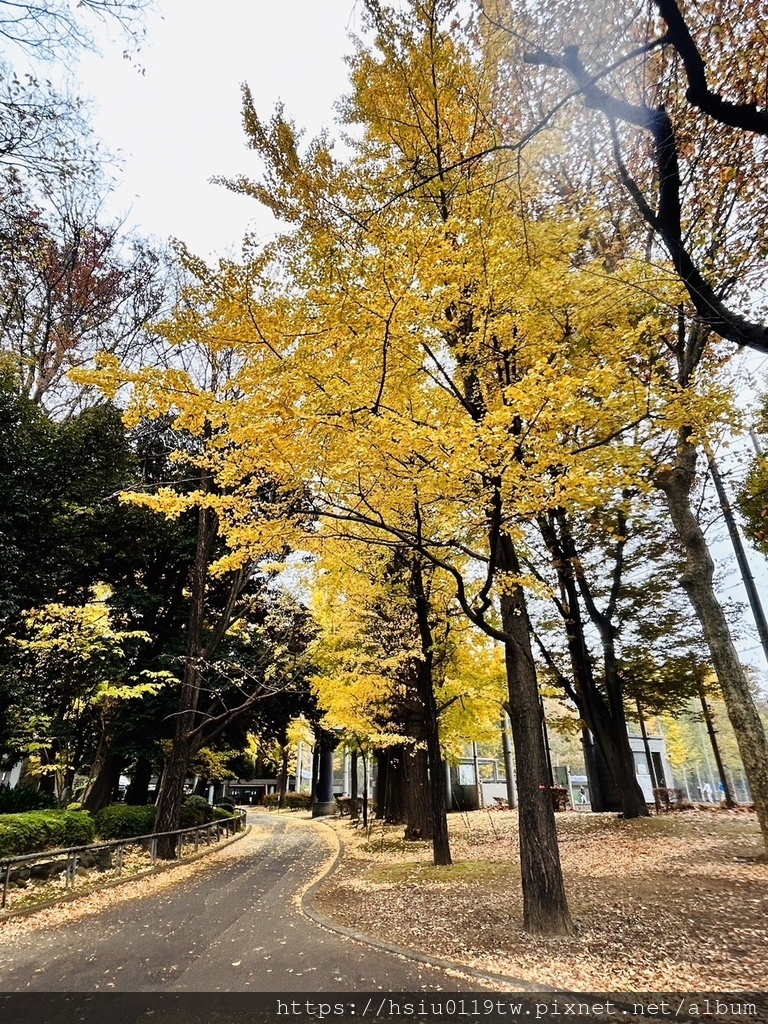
195,811
124,821
220,813
34,831
298,801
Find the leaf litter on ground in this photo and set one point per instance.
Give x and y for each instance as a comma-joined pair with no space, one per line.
669,903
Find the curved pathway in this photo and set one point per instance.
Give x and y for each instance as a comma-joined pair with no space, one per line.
237,927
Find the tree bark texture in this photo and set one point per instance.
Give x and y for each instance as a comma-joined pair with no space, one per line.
424,685
545,907
394,786
106,779
697,581
418,816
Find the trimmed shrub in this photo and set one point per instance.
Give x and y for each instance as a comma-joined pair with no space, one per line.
124,821
79,827
222,813
270,800
298,801
35,831
226,801
24,798
195,811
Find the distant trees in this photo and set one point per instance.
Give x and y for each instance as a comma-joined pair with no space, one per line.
72,280
72,286
43,131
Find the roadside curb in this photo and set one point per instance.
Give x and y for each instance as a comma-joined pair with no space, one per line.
306,902
114,883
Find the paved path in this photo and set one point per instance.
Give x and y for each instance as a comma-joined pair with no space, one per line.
236,928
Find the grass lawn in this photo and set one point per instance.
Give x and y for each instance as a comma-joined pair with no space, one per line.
669,903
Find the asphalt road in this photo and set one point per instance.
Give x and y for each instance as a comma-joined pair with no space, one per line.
236,928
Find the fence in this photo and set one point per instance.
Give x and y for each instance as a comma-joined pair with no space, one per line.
112,852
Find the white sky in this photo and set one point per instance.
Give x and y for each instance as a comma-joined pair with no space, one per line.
178,124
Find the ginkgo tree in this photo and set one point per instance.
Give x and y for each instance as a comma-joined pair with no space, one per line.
228,604
392,675
430,358
72,668
457,373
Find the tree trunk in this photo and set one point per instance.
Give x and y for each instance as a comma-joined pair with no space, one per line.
365,789
727,793
171,793
425,692
545,907
103,784
613,740
441,847
604,717
394,786
418,816
171,796
697,581
354,808
382,771
138,788
282,782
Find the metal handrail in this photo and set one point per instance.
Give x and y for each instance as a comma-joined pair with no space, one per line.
73,853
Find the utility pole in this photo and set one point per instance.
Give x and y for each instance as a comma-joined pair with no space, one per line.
478,781
508,769
741,555
648,757
727,794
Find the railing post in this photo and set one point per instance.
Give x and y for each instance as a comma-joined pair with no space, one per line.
197,839
6,881
120,853
179,845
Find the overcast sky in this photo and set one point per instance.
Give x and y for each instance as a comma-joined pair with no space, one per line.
178,123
